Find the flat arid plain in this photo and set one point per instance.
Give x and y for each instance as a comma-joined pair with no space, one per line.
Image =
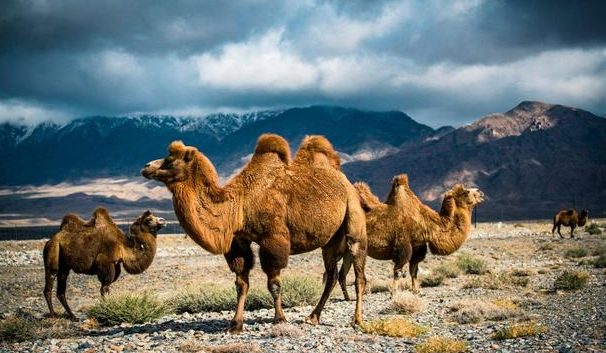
534,292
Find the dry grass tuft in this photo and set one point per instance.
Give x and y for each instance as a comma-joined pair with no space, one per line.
571,280
380,286
599,262
526,329
507,304
546,247
474,311
599,250
497,281
394,327
440,344
576,252
234,348
406,303
593,229
23,326
472,265
134,309
432,280
449,270
285,330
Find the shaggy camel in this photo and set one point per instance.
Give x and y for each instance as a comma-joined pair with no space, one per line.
401,228
97,247
287,208
569,218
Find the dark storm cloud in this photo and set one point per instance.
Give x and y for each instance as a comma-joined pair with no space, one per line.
445,62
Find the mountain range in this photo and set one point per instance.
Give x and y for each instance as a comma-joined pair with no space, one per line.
529,161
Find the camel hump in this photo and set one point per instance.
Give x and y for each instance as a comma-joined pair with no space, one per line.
71,223
570,212
101,217
315,146
400,180
367,199
272,143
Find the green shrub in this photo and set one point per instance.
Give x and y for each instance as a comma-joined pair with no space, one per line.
593,229
576,252
431,281
599,250
127,308
600,262
296,291
571,280
472,265
449,270
25,327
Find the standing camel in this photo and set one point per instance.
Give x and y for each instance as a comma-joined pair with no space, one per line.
569,218
286,208
401,228
97,247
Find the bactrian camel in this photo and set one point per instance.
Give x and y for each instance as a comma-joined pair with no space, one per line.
401,228
569,218
97,247
287,208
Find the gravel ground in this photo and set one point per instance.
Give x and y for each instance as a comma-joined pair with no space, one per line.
576,321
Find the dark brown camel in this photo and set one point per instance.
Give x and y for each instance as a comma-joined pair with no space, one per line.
569,218
97,247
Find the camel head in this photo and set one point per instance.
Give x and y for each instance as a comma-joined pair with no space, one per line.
175,167
147,223
463,196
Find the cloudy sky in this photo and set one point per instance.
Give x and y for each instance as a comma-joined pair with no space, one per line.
442,62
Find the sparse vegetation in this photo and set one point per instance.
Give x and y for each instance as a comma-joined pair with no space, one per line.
475,311
24,327
526,329
285,330
379,286
296,291
472,265
432,280
593,229
576,252
406,303
599,250
440,344
497,281
571,280
394,327
545,247
127,308
449,270
600,262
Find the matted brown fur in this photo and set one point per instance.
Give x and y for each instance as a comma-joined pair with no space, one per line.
286,208
569,218
401,228
97,247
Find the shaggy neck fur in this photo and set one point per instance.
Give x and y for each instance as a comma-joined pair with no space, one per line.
139,252
583,218
455,226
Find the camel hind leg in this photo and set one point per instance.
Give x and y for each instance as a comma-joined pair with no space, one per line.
330,255
560,233
61,289
240,259
357,242
51,267
572,227
345,267
403,256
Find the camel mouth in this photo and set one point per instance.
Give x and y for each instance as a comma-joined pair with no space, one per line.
150,169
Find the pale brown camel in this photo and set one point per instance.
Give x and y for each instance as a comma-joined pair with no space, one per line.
286,208
569,218
401,228
97,247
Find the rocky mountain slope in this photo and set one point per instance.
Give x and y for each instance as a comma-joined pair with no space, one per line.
530,161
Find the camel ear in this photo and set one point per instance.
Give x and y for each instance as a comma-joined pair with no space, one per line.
189,155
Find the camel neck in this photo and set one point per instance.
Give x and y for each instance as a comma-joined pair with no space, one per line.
455,223
140,252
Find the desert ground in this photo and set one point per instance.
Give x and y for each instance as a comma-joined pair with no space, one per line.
522,260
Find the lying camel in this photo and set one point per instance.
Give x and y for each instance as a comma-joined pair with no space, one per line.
569,218
287,208
97,247
401,228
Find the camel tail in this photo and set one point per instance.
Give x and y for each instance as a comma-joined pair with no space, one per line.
271,143
367,199
314,146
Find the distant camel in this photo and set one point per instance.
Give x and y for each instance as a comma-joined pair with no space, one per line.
97,247
569,218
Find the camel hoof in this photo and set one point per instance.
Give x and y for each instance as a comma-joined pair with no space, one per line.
357,322
279,320
73,318
311,320
235,327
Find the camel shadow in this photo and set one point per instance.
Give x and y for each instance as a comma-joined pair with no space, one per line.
206,326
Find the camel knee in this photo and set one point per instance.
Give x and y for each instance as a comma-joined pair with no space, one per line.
275,288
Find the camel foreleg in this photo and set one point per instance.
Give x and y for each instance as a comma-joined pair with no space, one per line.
418,255
240,260
273,253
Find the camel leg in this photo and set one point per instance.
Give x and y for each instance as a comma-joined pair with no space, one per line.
357,249
51,267
553,229
560,233
402,257
572,227
330,255
61,289
418,255
345,267
273,253
117,271
240,260
106,274
48,291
